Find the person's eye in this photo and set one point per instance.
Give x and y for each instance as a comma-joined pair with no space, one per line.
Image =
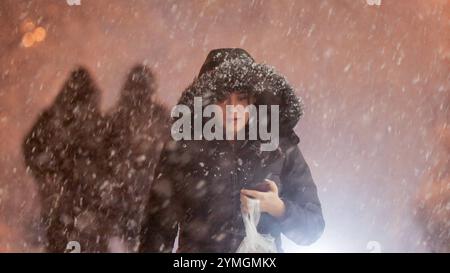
243,98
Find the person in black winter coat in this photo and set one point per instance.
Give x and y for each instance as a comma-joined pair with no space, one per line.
201,186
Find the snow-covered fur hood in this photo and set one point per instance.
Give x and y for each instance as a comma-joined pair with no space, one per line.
233,69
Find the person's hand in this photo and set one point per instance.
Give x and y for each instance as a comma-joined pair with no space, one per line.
269,200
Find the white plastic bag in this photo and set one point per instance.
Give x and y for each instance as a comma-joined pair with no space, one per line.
253,241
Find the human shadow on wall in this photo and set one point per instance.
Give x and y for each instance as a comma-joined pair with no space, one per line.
93,170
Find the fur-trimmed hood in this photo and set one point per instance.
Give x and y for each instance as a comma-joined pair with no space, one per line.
233,69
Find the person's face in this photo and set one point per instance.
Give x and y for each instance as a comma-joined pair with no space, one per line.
238,119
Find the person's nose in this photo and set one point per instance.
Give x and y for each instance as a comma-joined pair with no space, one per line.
234,100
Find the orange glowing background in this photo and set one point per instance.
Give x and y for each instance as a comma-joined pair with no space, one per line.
375,80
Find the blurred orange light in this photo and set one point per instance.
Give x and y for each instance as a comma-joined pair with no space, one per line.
28,39
27,26
39,34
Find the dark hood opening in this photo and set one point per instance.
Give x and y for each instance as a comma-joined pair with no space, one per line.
228,70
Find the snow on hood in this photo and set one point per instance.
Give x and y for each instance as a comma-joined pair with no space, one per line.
244,75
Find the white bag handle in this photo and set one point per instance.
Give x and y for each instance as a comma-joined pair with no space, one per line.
251,219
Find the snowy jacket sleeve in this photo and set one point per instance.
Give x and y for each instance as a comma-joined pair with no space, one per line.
161,224
303,222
